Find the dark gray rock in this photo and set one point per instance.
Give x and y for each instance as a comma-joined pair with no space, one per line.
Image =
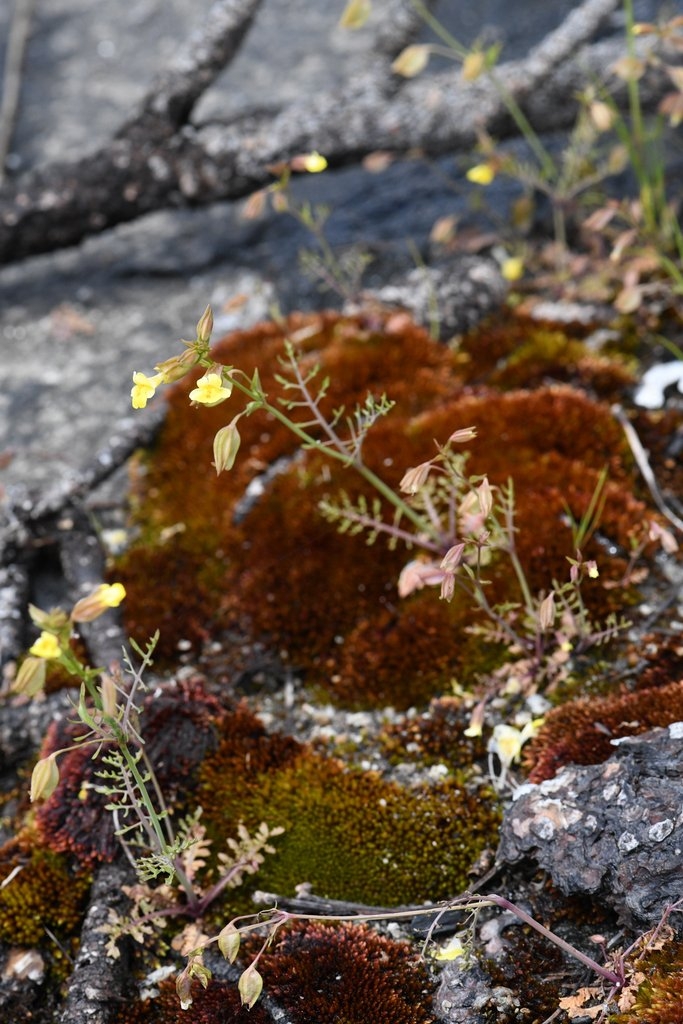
613,831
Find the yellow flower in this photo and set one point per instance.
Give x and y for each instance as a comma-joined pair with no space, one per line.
512,268
46,646
210,390
481,174
107,595
143,388
314,163
451,950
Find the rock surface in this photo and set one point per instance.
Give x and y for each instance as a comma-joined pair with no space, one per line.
613,830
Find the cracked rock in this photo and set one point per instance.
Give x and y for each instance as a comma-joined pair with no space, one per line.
613,830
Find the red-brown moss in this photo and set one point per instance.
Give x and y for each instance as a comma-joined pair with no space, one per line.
284,577
580,732
180,727
347,973
513,350
217,1004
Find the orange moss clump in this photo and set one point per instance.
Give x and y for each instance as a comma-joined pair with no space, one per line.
580,732
659,999
274,572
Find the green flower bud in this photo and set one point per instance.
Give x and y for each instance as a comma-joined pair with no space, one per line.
30,679
226,444
45,778
205,326
229,942
250,986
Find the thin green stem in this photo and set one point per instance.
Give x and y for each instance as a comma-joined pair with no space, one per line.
545,161
511,550
420,522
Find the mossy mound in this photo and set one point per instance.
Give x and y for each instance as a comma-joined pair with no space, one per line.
347,973
349,834
45,894
581,731
277,573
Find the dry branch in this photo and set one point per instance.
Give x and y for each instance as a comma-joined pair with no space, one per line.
158,160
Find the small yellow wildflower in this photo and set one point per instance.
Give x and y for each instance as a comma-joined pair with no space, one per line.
143,388
46,646
314,163
481,174
512,268
210,390
451,950
107,595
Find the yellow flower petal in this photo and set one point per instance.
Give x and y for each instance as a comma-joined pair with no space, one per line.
314,163
481,174
210,390
144,388
46,646
512,268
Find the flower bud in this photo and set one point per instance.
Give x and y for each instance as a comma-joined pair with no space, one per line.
44,778
473,65
250,986
474,729
183,987
229,942
413,479
226,444
485,496
176,367
105,596
546,613
463,435
52,621
109,695
665,537
46,646
453,557
199,971
205,326
30,678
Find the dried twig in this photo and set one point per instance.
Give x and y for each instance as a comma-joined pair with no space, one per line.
642,461
158,160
